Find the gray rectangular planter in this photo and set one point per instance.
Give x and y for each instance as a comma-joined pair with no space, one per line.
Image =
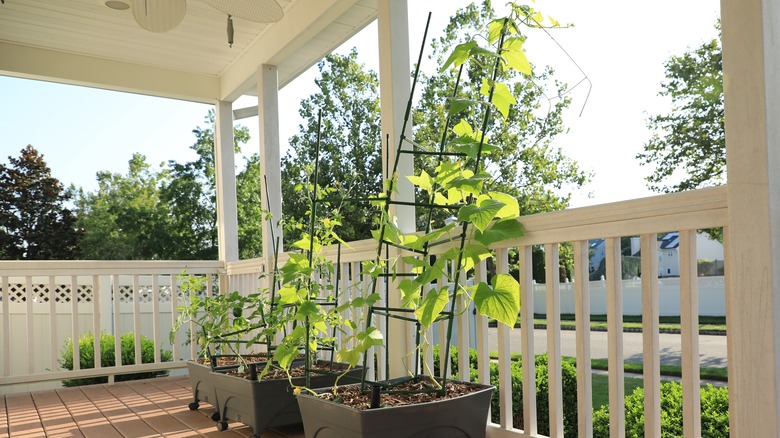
266,403
202,387
459,417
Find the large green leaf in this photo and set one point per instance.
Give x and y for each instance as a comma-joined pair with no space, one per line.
494,30
410,293
432,306
511,207
459,55
435,272
423,181
458,104
504,229
515,57
288,295
480,214
371,337
501,300
502,96
348,355
307,308
463,128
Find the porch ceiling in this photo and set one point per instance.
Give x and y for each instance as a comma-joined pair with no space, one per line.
83,42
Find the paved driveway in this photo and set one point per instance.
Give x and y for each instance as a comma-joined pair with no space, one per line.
712,349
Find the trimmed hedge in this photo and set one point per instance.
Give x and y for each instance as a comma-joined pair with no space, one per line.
569,374
714,413
87,357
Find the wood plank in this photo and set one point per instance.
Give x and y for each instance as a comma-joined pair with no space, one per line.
3,418
179,388
164,404
582,318
149,414
55,418
90,420
23,419
125,420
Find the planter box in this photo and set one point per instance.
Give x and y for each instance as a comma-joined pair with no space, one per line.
202,387
266,403
460,417
202,381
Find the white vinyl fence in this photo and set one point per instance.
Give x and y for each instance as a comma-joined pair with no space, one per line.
40,312
712,297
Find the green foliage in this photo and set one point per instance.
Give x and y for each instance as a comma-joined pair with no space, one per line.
688,147
107,358
34,222
220,320
569,375
714,413
170,212
350,146
538,175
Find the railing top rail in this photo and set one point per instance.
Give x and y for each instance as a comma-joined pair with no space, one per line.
695,209
107,267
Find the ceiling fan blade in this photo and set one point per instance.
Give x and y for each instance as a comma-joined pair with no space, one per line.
159,15
260,11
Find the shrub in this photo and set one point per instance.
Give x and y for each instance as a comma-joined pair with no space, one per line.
714,413
453,360
568,372
87,357
569,377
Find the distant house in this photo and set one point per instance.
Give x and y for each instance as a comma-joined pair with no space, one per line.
669,257
668,252
597,253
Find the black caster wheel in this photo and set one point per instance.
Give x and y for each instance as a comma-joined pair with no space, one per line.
215,416
194,406
222,426
257,435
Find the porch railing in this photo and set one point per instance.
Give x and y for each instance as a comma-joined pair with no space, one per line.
682,212
44,303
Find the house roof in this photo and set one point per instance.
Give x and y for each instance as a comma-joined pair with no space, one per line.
669,241
84,42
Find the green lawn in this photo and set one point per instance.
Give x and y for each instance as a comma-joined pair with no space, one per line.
601,389
706,323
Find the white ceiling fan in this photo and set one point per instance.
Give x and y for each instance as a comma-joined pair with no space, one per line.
164,15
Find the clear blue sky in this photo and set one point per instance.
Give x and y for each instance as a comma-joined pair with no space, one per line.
620,45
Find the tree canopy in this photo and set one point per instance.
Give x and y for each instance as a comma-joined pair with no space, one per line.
350,148
169,213
35,223
539,175
688,147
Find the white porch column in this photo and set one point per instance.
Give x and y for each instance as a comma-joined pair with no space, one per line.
394,88
751,76
270,156
225,168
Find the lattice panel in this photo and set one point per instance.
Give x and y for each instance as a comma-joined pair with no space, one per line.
40,293
85,293
145,294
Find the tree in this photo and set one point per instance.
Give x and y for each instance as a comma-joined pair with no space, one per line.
34,222
123,219
349,147
250,209
688,147
169,213
540,176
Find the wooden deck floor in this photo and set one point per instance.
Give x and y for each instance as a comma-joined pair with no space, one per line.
141,408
